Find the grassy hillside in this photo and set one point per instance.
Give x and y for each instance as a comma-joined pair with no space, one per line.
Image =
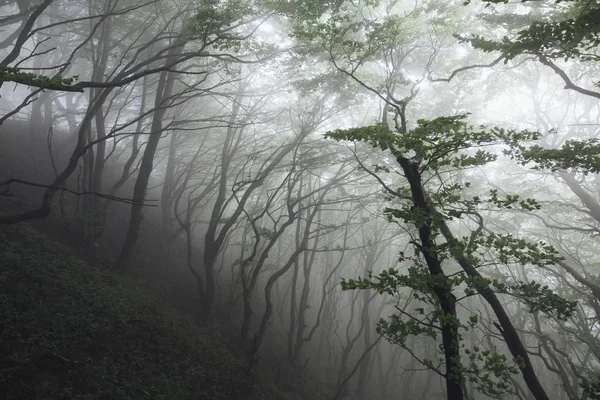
69,330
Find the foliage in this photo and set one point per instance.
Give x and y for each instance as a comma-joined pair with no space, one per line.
582,155
488,371
70,330
212,24
591,389
440,141
438,147
58,82
572,33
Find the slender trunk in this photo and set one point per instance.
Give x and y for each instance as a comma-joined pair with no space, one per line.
38,126
325,328
442,288
247,319
94,159
504,325
350,342
209,258
96,217
38,121
70,112
303,306
361,385
213,239
135,150
166,197
245,330
86,176
326,307
293,321
248,286
266,318
163,93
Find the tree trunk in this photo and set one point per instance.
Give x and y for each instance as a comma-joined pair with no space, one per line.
166,197
303,306
97,222
442,289
505,326
163,93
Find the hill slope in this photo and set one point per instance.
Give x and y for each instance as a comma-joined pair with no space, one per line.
71,330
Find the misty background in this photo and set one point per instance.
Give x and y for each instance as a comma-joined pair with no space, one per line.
236,156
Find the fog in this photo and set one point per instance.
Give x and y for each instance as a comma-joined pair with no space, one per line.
362,197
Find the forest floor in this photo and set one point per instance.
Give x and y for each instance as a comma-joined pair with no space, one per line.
71,330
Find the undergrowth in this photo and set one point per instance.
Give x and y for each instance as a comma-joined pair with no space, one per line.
69,330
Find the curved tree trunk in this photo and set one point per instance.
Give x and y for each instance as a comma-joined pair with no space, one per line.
163,93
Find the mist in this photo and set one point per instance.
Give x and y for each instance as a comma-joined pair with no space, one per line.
367,200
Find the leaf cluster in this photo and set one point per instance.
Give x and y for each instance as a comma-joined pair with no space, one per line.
489,371
57,82
583,155
572,33
441,142
212,23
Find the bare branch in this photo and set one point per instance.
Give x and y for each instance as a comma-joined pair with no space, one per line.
24,35
466,68
8,182
568,82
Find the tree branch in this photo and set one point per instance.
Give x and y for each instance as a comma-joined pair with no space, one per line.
465,68
8,182
568,82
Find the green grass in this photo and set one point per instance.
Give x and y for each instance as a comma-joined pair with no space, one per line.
69,330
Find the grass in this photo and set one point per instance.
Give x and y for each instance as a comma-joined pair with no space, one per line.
69,330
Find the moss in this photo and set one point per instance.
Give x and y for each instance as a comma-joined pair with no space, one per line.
69,330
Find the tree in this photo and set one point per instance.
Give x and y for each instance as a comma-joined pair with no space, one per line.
426,152
438,145
211,27
560,30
